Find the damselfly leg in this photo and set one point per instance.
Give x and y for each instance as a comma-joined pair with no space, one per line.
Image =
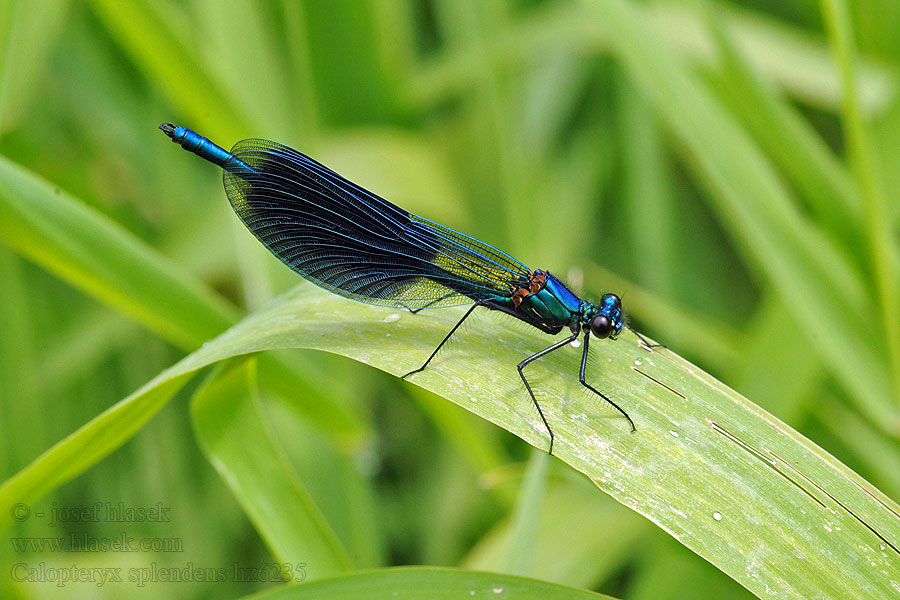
584,356
532,358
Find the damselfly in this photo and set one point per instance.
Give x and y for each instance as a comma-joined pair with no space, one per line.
358,245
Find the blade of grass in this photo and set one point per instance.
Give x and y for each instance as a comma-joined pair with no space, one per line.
415,583
99,257
722,476
81,450
236,439
82,247
338,479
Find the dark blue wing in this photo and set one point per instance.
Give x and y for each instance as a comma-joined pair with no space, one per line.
356,244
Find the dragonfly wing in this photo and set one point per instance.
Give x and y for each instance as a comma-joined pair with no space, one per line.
356,244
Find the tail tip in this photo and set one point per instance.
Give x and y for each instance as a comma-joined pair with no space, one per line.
168,129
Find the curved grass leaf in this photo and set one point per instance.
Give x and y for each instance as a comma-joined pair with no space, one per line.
722,476
99,257
415,583
93,253
236,439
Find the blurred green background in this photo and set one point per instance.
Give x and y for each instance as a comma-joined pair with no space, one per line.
524,123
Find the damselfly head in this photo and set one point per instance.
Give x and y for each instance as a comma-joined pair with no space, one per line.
608,320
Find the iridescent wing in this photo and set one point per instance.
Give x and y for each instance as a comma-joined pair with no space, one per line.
356,244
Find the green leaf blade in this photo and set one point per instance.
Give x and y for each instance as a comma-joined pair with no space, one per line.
415,583
233,434
725,478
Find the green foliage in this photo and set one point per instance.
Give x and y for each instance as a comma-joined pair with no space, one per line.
725,169
704,464
430,582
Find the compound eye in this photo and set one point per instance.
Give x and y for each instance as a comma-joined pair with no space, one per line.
611,300
601,326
